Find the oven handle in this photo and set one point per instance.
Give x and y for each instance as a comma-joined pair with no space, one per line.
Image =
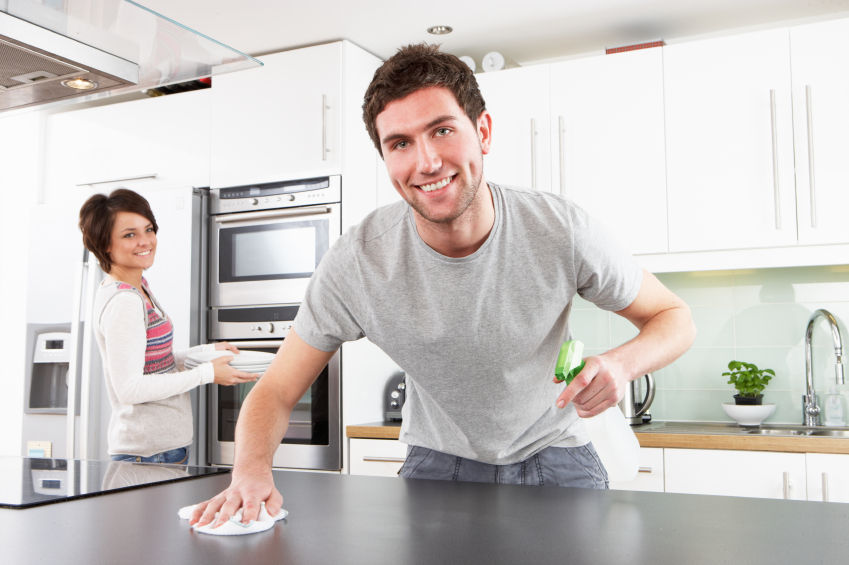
288,213
263,344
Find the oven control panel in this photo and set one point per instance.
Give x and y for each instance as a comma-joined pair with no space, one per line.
270,196
257,322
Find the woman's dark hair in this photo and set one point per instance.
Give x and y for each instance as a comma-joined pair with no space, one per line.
415,67
97,218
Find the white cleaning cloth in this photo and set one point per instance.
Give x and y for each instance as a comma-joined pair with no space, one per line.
235,527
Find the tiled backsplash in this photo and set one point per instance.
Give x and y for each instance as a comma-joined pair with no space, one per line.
758,316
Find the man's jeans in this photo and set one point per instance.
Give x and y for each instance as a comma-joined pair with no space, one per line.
177,456
553,466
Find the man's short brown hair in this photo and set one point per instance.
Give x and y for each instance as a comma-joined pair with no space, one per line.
415,67
97,218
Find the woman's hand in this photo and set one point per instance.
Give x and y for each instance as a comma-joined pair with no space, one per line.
227,375
224,346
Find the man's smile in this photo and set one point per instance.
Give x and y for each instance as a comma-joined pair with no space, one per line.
436,185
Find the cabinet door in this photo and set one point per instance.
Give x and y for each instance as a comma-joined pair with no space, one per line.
650,477
828,477
730,179
377,457
166,136
608,152
820,54
280,121
519,104
735,473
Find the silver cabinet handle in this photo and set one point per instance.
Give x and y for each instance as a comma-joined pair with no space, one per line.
825,487
121,179
287,213
561,131
786,486
645,470
533,154
324,108
811,156
384,459
775,159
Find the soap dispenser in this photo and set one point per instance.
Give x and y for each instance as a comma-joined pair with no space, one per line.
835,407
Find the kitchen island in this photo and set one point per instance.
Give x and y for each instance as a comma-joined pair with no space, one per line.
373,520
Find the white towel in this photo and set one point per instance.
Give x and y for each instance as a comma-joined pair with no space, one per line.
234,526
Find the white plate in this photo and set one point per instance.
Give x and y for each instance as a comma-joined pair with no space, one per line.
748,415
246,357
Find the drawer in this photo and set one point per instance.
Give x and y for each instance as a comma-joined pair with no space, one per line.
377,457
650,477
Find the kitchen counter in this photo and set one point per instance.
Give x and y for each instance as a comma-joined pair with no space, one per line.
689,435
357,519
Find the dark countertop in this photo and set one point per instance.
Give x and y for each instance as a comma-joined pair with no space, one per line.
373,520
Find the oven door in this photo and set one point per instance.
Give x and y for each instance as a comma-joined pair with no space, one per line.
314,437
268,257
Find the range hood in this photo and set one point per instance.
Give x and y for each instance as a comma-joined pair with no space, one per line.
56,52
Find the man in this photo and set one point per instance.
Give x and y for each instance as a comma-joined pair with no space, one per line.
468,286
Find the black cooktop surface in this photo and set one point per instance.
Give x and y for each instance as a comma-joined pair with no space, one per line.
27,482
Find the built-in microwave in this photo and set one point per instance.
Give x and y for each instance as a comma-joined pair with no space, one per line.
266,240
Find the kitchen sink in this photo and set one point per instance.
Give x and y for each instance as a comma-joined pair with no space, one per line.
830,433
710,428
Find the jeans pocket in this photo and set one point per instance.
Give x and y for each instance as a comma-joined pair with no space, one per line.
176,456
123,457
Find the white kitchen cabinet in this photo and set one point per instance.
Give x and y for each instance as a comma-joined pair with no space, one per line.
650,476
754,474
281,120
167,136
377,457
518,100
607,145
729,143
828,477
820,58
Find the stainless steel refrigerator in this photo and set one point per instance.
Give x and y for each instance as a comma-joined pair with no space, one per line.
61,286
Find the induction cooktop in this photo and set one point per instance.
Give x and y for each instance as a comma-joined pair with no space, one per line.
27,482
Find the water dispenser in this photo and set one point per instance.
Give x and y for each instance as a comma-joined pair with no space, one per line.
48,375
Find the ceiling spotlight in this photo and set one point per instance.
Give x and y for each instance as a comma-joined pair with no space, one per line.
80,84
440,30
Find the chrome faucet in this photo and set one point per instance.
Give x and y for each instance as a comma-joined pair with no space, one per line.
810,409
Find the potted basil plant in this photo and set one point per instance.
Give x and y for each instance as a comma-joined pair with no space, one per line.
749,381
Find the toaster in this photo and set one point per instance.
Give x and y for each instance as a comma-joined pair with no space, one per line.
396,393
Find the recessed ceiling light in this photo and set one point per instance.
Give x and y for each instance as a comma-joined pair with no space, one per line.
440,30
80,84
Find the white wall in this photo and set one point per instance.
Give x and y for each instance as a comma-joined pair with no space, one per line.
19,186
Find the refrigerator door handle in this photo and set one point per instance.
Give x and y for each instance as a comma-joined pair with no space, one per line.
72,362
85,377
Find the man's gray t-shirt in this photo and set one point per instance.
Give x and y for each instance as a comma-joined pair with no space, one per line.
477,336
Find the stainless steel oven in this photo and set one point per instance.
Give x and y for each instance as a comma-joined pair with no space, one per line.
266,240
314,437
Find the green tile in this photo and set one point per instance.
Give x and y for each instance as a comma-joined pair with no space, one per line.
579,303
792,284
690,405
592,327
701,288
771,325
714,326
698,368
621,330
783,360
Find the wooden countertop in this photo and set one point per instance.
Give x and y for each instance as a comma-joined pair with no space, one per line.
391,430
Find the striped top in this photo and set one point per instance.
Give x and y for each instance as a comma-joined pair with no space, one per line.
158,357
147,386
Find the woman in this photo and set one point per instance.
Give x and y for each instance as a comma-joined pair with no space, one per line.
151,411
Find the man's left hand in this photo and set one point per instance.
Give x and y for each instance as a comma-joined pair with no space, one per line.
599,385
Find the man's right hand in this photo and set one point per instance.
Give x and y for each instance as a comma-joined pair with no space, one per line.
246,491
227,375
